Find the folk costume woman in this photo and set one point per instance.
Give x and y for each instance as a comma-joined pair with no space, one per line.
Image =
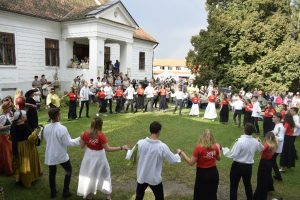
94,172
248,112
5,143
268,124
205,154
163,100
101,100
140,98
26,157
264,173
195,107
72,113
287,158
210,111
224,110
32,115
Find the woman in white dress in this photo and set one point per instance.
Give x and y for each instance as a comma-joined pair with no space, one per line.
94,174
195,107
210,111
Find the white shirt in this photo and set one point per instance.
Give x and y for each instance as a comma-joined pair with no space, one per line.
57,138
149,92
129,92
244,149
108,92
256,110
179,95
84,93
297,125
151,154
238,104
279,131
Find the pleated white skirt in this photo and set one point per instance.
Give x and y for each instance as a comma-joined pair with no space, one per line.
94,174
210,111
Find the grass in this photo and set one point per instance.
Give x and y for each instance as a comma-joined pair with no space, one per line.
178,132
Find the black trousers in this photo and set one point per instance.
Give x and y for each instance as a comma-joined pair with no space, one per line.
119,106
52,176
268,125
87,107
255,123
237,113
158,191
238,171
72,110
206,184
275,166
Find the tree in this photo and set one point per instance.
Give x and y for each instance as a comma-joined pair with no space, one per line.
248,43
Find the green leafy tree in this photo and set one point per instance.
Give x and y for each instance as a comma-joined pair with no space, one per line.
248,43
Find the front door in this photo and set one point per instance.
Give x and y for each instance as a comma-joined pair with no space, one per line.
107,60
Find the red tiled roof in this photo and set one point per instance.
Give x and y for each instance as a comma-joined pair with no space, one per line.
57,10
141,34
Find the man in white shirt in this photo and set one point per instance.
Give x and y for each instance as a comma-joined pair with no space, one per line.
152,152
58,138
129,92
238,106
278,131
256,111
108,95
84,99
149,92
179,96
242,154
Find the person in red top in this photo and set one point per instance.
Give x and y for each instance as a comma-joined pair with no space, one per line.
195,107
72,114
268,124
163,100
140,98
248,112
264,172
210,111
94,171
155,97
288,155
205,154
101,100
283,110
119,99
224,110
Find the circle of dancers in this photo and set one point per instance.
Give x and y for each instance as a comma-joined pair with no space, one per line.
20,134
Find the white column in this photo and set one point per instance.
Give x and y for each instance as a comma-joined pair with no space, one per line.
96,64
126,58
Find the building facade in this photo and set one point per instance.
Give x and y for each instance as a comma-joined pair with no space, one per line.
74,38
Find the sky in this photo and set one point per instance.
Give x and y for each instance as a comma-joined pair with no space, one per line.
171,22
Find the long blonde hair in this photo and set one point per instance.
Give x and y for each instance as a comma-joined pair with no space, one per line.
206,139
96,126
270,139
18,93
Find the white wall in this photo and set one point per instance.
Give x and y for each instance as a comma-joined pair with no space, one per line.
30,34
142,46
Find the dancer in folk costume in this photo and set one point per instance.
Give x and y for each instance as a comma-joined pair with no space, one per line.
268,124
248,112
195,107
224,110
210,111
264,172
163,100
140,98
94,174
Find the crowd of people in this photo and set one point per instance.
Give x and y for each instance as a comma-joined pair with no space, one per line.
19,135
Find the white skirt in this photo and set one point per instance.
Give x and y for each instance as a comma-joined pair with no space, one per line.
210,111
194,109
94,174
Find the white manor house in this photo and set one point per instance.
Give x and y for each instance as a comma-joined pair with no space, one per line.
47,36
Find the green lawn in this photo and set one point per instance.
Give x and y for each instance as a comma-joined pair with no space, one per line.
178,132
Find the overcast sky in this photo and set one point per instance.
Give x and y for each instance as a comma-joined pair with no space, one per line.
170,22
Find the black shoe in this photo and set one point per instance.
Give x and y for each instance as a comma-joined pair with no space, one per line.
66,195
